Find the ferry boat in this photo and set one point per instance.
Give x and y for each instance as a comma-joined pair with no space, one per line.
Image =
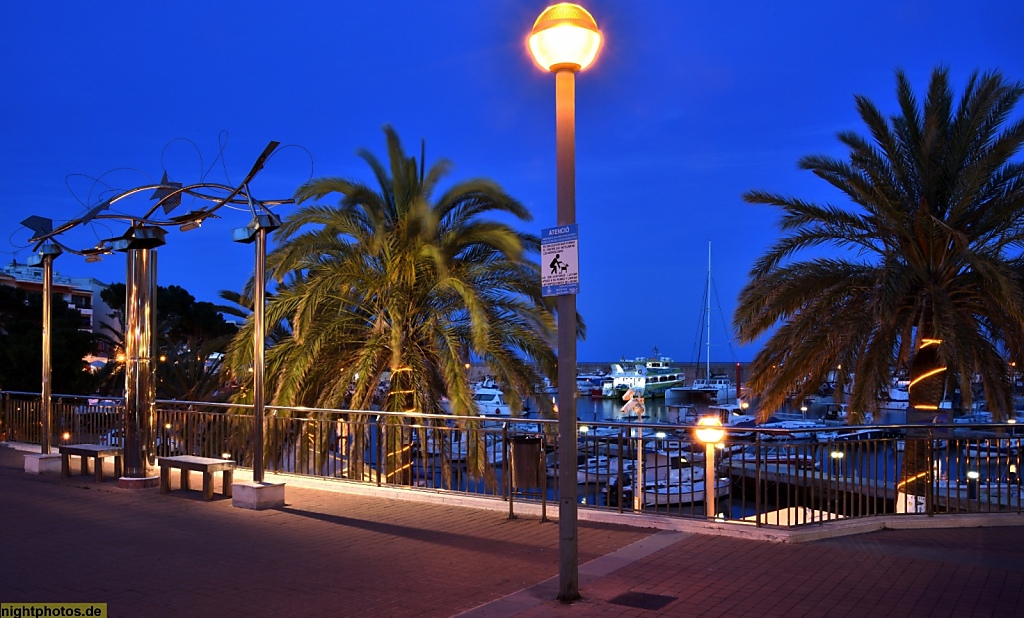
651,377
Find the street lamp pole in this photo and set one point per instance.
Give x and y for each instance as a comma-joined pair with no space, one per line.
48,252
257,232
564,40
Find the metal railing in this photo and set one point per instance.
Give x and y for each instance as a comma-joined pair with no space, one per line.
774,477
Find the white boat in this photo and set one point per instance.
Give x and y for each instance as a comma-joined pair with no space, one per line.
652,378
489,399
777,455
717,388
679,491
800,430
586,384
597,469
546,388
730,414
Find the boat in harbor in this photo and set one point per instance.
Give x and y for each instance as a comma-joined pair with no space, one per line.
712,388
680,487
652,377
490,400
589,383
597,469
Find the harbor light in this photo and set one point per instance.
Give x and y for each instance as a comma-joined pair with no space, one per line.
972,484
709,431
837,461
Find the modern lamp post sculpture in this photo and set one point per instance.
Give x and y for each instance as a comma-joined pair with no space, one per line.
47,253
257,231
564,40
145,234
139,245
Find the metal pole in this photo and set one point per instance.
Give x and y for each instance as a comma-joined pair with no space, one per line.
47,385
565,161
258,344
709,479
638,483
139,385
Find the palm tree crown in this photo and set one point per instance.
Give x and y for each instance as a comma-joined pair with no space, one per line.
405,280
928,249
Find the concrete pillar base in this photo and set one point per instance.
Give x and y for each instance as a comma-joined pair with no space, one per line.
138,483
42,463
257,496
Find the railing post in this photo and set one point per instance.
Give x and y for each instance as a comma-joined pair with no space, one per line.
757,479
380,446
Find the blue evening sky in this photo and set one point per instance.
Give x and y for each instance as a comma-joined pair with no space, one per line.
688,105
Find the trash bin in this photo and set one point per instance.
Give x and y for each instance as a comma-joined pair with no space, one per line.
526,457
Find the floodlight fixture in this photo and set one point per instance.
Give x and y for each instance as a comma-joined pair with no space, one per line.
140,237
268,221
48,249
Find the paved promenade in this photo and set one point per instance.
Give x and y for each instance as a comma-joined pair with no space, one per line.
332,554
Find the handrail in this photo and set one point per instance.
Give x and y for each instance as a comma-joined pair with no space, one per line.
766,479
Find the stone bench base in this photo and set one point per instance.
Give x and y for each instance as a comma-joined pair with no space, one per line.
207,465
96,452
42,464
258,496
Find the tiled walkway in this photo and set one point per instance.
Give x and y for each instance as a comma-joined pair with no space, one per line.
333,554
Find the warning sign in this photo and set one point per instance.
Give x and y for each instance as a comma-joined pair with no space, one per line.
559,261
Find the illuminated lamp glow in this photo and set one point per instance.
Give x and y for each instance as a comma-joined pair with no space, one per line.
709,430
565,36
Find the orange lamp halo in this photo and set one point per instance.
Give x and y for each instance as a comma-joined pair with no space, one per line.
709,430
565,36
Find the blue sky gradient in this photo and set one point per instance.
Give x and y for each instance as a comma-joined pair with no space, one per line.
688,106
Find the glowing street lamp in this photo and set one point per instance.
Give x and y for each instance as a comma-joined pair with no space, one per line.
837,461
565,39
709,431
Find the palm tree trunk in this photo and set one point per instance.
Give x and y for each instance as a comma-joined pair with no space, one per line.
927,383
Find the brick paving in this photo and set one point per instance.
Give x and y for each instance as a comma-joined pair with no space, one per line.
333,554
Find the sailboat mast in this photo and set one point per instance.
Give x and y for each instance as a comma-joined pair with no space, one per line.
707,316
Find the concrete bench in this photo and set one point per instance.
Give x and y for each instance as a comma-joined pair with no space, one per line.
206,465
97,452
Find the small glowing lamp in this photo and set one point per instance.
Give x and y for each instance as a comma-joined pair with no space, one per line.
565,36
584,428
973,475
837,455
709,430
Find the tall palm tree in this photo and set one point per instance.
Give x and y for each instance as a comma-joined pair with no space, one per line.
403,282
927,270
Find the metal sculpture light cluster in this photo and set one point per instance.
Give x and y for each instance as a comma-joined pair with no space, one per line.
144,234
